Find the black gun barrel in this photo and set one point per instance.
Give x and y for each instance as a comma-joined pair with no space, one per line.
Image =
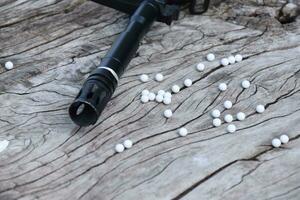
101,84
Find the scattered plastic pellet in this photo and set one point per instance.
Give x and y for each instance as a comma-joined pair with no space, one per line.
119,148
3,145
260,108
145,98
240,116
231,128
144,78
167,101
276,143
228,118
151,96
168,113
161,92
159,77
215,113
182,132
217,122
127,144
238,58
175,88
145,92
200,67
228,104
159,98
9,65
231,59
168,95
224,61
188,82
245,84
284,139
222,86
210,57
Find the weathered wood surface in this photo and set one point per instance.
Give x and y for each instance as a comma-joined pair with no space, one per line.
55,44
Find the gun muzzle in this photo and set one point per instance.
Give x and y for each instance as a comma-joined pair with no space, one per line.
101,84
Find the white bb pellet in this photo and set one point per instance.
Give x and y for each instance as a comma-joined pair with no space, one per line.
215,113
151,96
144,78
167,101
175,88
145,98
210,57
145,92
200,67
168,113
161,92
9,65
228,118
284,139
240,116
119,148
168,95
224,61
245,84
182,132
231,128
228,104
127,144
231,59
188,82
159,77
222,86
159,98
238,58
3,145
260,108
217,122
276,143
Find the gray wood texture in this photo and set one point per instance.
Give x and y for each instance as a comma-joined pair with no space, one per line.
56,44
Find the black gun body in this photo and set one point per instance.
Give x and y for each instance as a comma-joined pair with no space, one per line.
99,87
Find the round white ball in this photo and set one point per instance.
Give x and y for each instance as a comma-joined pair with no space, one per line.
228,104
168,113
159,77
224,61
144,78
119,148
231,59
241,116
168,95
9,65
127,144
215,113
245,84
161,92
238,58
145,98
284,139
159,98
167,100
151,96
231,128
222,86
182,132
188,82
228,118
145,92
200,67
175,88
217,122
210,57
260,108
276,143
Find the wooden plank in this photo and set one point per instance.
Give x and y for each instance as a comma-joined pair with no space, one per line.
56,44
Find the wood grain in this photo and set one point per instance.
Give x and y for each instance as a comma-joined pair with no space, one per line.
56,44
